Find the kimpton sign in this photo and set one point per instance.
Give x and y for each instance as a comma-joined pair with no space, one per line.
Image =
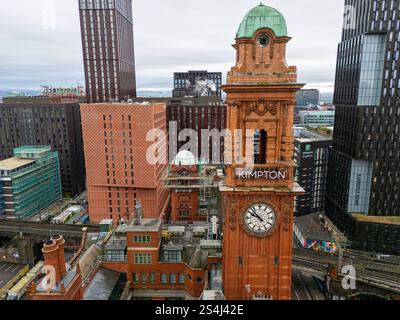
248,173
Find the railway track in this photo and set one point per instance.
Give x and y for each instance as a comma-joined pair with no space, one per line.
379,278
44,228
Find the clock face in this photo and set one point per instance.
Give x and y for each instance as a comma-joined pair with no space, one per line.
263,41
259,218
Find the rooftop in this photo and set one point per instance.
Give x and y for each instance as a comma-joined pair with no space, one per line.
66,281
314,134
144,103
102,285
393,220
261,17
14,163
311,228
146,225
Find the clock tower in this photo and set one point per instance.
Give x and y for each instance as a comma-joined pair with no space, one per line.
259,191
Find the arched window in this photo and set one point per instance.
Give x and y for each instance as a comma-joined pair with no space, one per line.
260,147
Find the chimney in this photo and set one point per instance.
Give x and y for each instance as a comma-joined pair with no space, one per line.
50,253
138,213
60,241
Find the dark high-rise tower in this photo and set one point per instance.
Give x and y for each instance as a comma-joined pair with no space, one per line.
108,49
363,197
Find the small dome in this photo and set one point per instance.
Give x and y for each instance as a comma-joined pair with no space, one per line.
260,17
184,158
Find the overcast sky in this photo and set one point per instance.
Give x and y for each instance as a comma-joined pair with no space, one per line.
170,35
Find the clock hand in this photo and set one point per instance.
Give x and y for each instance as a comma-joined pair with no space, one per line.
255,215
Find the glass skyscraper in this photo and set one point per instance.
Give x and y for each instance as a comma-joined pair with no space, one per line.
363,197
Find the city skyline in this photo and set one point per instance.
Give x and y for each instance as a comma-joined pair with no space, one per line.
244,187
44,59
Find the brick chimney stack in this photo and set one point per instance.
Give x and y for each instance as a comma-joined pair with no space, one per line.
60,241
51,257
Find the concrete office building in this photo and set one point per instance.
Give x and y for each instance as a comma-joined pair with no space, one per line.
311,155
314,118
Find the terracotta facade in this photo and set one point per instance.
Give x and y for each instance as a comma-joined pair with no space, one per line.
118,173
261,94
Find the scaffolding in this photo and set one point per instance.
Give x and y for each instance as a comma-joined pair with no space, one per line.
38,185
204,180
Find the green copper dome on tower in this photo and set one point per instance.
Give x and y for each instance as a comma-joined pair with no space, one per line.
260,17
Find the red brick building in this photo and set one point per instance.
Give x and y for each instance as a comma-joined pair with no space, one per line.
159,261
184,202
118,173
192,184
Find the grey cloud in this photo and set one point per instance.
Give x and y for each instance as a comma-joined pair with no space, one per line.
170,35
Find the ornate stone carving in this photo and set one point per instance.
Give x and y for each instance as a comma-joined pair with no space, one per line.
232,214
286,214
261,108
235,104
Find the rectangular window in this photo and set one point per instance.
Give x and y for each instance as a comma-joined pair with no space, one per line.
181,278
142,239
164,278
135,277
172,256
372,64
172,278
144,277
152,278
142,258
184,213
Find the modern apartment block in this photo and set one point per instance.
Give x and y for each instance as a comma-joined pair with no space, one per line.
118,172
363,197
197,83
30,181
108,49
195,113
307,97
311,155
199,113
41,121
